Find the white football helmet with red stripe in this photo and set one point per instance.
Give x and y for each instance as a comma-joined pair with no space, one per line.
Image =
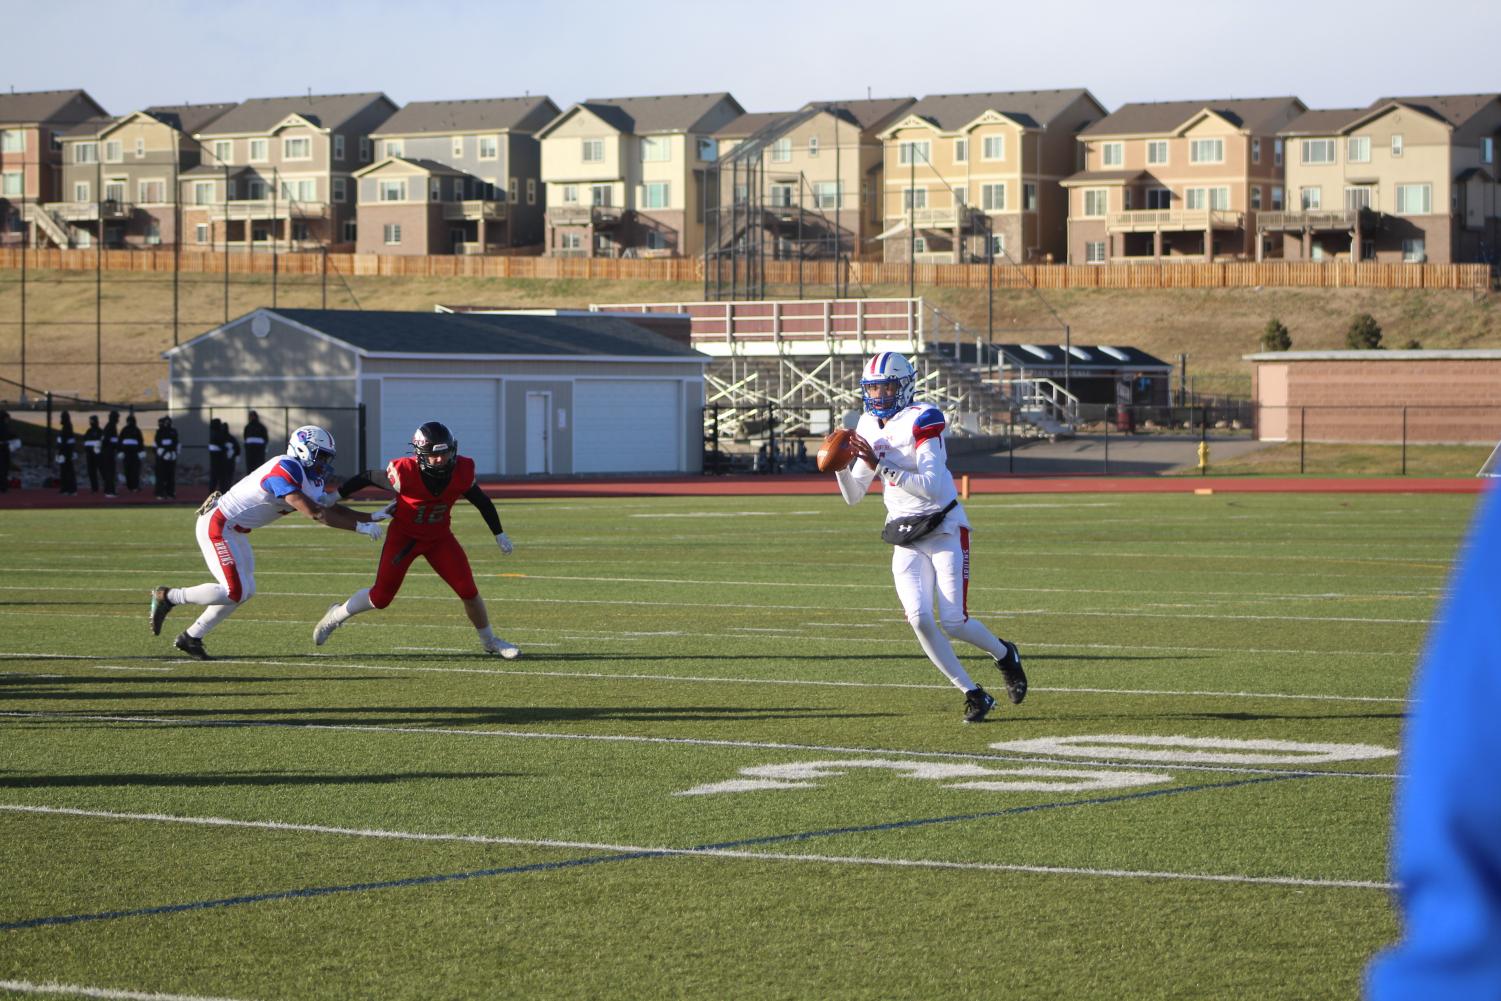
887,385
314,448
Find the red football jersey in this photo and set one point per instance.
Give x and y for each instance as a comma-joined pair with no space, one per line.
419,513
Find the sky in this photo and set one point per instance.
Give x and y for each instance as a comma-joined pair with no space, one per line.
770,56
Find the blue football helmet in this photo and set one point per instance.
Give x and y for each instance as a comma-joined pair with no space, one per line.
887,385
314,448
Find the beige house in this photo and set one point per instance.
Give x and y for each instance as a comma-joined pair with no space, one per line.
119,177
1405,179
818,173
1178,180
278,172
31,126
624,176
489,161
963,167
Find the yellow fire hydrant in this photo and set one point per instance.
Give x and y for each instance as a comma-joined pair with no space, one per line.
1203,457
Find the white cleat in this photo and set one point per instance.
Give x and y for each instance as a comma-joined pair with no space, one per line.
326,625
509,651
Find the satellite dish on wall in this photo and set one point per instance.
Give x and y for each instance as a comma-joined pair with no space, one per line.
260,325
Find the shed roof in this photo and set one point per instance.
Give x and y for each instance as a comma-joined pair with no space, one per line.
1082,358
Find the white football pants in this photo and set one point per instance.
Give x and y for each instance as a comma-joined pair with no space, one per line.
232,562
938,567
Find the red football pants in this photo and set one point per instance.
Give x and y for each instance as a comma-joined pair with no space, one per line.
444,555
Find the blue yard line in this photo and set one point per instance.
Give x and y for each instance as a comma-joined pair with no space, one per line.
324,891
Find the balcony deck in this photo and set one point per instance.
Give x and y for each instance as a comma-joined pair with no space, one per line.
1174,220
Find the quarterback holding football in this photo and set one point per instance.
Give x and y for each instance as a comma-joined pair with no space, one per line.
427,484
901,442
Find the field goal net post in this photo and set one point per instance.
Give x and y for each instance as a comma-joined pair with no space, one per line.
1492,465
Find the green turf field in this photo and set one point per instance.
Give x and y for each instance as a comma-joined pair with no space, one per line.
722,768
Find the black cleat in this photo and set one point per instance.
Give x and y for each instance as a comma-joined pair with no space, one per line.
977,705
192,646
160,606
1010,667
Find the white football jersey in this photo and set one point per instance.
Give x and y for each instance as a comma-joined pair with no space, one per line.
257,500
913,466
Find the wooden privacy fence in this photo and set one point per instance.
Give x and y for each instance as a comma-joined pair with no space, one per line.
1274,274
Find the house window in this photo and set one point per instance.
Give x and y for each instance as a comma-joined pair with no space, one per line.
1193,199
993,148
364,149
12,141
141,151
86,153
998,244
203,192
11,182
655,149
1414,251
594,151
570,194
961,195
297,148
602,195
708,150
961,150
1414,199
513,191
391,232
435,189
1488,150
826,194
914,152
1357,198
224,150
260,233
812,145
1311,199
301,191
338,146
781,150
255,190
1277,152
1358,149
919,245
392,191
151,192
200,233
1159,198
81,191
489,147
299,229
458,145
1396,144
993,197
1255,149
1094,252
1255,196
340,192
654,195
531,190
1157,152
1096,200
1206,151
655,240
1318,150
914,198
1029,196
458,189
1276,198
260,151
351,230
1112,154
572,241
114,152
114,190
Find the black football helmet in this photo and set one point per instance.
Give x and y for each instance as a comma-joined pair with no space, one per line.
436,449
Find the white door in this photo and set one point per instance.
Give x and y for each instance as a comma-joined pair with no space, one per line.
538,435
470,408
627,426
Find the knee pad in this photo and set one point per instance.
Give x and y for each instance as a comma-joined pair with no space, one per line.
922,620
952,622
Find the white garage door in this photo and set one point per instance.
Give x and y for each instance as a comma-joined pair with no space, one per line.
468,406
627,426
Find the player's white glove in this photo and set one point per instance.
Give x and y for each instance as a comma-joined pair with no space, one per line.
384,512
374,529
504,542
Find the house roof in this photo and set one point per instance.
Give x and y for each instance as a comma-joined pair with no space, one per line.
1321,122
1456,109
495,114
425,165
643,115
870,113
1257,114
214,170
262,114
749,123
949,112
1102,177
37,106
410,334
89,127
1082,358
185,118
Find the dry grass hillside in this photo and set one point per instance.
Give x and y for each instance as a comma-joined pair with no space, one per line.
1213,327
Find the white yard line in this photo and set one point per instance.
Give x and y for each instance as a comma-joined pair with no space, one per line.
703,852
79,991
680,742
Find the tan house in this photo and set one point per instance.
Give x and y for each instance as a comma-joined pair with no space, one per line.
961,168
278,171
818,175
1178,180
31,127
119,177
624,176
487,161
1405,179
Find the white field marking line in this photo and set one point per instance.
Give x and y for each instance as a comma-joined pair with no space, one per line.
484,839
723,514
108,667
321,661
691,742
78,990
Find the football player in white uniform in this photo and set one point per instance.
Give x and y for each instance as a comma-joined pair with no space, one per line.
902,443
279,486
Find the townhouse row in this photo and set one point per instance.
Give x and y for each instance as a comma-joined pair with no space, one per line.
1029,176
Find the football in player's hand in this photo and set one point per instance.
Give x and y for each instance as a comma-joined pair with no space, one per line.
837,451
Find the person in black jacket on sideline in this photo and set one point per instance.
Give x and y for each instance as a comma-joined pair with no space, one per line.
255,442
93,444
132,450
8,444
109,448
67,478
166,459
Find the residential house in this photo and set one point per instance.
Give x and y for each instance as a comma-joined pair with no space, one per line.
962,170
31,127
1177,180
625,176
119,176
278,171
1405,179
817,173
468,174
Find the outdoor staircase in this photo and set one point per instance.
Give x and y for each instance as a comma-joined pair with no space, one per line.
57,232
